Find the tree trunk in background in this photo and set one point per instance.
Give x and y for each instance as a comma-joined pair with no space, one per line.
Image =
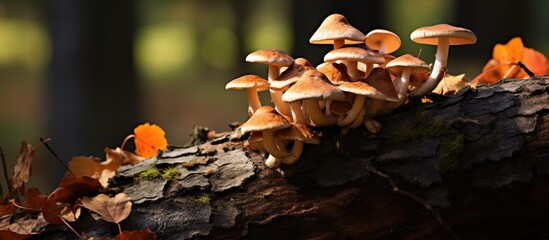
93,82
308,14
474,166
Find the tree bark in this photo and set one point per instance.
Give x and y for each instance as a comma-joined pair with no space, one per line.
473,166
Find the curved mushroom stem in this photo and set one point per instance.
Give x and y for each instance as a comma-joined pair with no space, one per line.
317,116
440,63
356,123
294,154
276,95
305,113
358,104
273,162
270,145
372,125
352,69
404,80
297,114
253,99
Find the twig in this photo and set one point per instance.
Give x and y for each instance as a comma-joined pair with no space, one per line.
530,73
5,172
414,197
70,227
45,142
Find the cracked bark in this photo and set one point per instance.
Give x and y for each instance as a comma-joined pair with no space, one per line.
496,186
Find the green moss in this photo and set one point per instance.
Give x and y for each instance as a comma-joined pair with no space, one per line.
204,199
451,140
148,174
170,173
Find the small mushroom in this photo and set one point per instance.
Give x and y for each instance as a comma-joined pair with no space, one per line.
335,72
403,67
275,59
300,134
351,56
336,30
373,86
383,41
252,84
312,87
441,35
266,120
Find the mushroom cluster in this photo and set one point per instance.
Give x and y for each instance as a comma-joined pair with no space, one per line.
351,88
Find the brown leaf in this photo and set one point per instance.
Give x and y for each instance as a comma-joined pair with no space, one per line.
122,157
137,235
110,209
7,234
23,168
71,188
34,199
51,211
449,85
23,225
70,213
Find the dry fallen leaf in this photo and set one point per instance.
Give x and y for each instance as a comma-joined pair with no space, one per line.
70,189
110,209
7,234
23,168
149,139
70,213
449,85
137,235
120,156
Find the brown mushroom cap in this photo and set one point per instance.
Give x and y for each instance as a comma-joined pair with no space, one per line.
380,79
456,35
313,85
335,72
354,54
416,65
376,38
248,81
292,73
299,132
271,57
265,118
335,27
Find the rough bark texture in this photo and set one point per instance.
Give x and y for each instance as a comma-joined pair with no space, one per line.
474,166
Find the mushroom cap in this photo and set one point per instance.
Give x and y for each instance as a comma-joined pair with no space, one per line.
265,118
334,27
335,72
248,81
313,85
299,132
430,34
340,107
416,65
292,73
271,57
378,85
354,54
389,39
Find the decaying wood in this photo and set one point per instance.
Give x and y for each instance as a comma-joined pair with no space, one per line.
474,166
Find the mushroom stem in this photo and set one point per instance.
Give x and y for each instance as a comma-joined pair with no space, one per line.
369,68
276,95
374,106
270,145
297,114
253,99
305,113
404,80
358,104
339,43
294,154
356,123
352,69
317,116
372,125
440,64
272,162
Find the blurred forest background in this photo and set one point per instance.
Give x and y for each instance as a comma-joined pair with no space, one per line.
85,73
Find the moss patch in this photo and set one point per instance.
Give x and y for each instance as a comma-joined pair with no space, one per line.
148,175
451,140
170,173
204,199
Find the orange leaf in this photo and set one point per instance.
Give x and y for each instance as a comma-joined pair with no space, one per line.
536,62
113,209
511,52
149,139
23,168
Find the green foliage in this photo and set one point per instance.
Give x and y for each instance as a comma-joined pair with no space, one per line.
451,140
148,175
204,199
170,173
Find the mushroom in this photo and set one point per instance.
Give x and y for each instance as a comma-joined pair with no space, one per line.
275,59
374,86
442,35
252,84
351,56
266,120
312,87
335,72
290,76
403,67
300,134
336,30
383,41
